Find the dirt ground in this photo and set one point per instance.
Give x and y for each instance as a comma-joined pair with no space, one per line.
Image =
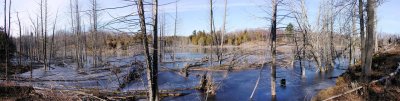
387,90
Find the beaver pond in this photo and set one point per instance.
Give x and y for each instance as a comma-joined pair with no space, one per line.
234,85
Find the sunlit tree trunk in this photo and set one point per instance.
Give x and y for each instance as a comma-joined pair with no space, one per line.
211,32
273,48
369,47
152,93
223,33
354,31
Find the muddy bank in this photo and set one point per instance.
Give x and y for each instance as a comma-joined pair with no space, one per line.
380,85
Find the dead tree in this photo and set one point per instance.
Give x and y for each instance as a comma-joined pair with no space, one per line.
43,36
152,93
94,32
46,63
362,36
20,39
369,42
5,16
354,32
5,30
223,33
155,53
9,19
52,53
331,32
175,29
273,47
31,55
162,40
211,31
77,30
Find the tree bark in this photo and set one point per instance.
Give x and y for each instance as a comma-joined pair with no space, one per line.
369,47
152,95
155,52
5,30
95,43
273,48
362,36
354,31
222,34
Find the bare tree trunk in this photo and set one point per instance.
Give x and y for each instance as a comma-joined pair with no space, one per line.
65,45
52,38
154,83
45,36
354,31
152,93
211,32
331,44
20,38
30,55
369,47
273,48
376,48
42,33
78,35
175,29
8,35
361,17
5,16
223,33
5,30
95,44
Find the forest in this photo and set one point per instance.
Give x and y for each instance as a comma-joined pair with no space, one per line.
206,50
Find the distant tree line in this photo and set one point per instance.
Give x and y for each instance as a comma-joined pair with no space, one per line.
235,38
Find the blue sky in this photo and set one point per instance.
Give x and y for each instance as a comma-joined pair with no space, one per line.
192,14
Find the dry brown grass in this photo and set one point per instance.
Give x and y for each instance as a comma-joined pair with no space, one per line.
383,64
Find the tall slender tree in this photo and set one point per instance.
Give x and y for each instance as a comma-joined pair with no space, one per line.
223,33
369,47
20,39
52,52
211,31
45,36
6,42
273,48
152,93
94,32
362,36
155,52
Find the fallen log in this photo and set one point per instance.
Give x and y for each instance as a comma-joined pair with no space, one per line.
70,91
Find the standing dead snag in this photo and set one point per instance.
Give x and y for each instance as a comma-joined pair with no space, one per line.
7,32
220,57
155,52
20,38
362,36
94,32
273,48
52,53
152,93
369,42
